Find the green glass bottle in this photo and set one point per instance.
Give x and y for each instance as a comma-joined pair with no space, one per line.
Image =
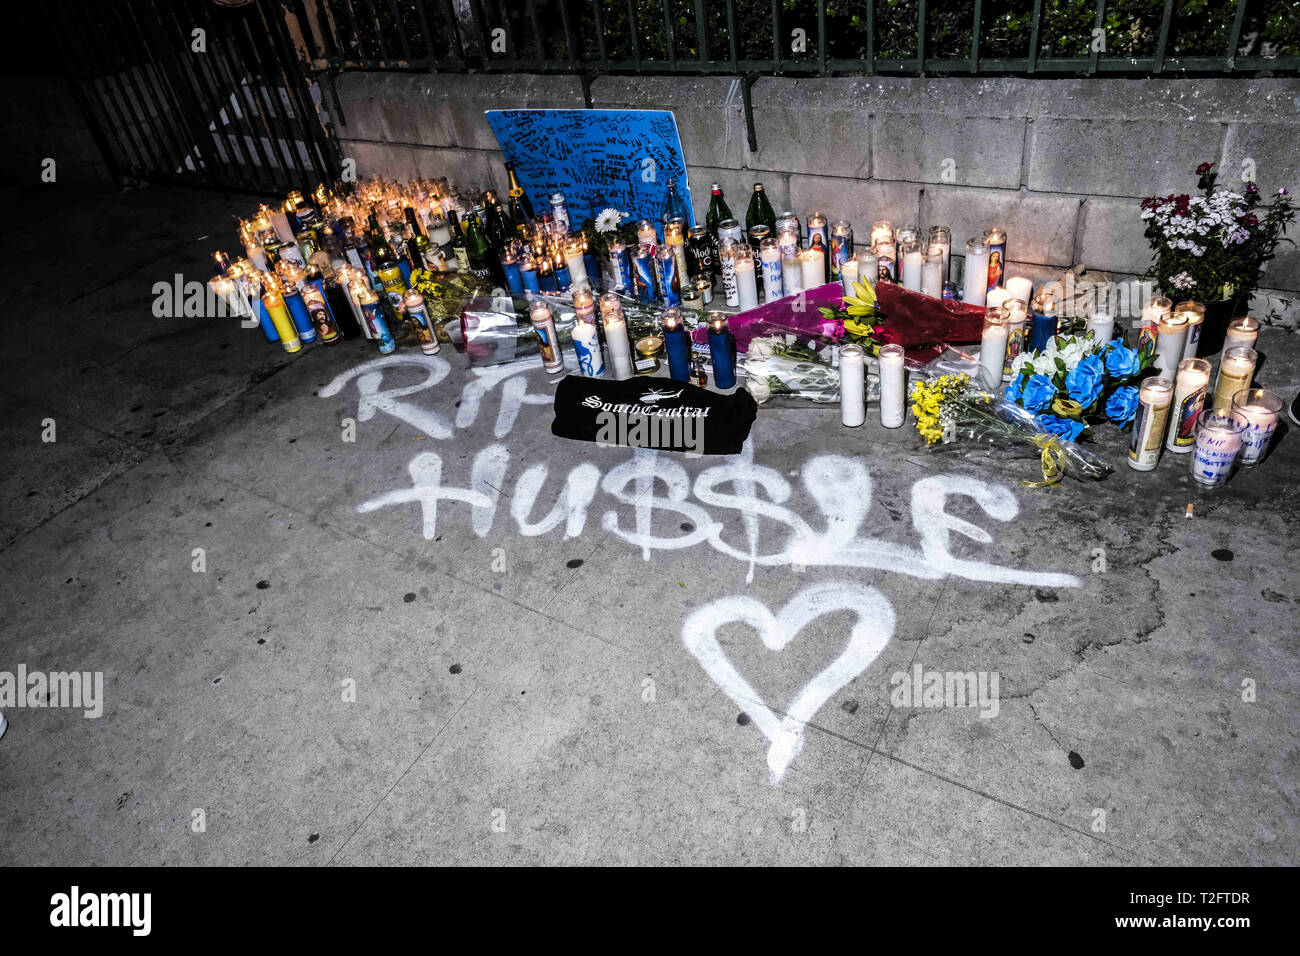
478,248
459,244
759,212
718,211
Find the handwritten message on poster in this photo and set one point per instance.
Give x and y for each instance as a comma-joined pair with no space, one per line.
597,158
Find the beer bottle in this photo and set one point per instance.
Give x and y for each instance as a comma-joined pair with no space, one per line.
759,211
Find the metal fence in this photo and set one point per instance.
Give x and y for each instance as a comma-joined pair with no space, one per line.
195,92
806,37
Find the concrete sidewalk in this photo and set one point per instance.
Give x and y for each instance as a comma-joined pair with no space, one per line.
359,678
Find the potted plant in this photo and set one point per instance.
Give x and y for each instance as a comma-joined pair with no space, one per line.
1210,247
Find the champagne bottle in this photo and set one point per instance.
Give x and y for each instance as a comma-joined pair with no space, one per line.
517,192
419,248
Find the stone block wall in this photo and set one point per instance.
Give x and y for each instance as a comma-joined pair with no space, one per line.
1059,163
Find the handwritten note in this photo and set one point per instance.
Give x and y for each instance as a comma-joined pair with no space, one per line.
597,158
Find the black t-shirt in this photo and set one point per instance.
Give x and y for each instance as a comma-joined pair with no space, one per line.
652,413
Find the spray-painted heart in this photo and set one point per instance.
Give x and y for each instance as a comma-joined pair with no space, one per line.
871,632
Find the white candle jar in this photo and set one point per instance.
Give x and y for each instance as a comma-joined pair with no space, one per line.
1218,442
1258,410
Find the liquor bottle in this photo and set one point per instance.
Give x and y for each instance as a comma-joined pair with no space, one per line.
479,251
674,205
459,244
520,222
759,211
494,223
718,211
419,247
517,192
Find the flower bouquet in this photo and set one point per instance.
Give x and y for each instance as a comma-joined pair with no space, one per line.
1077,382
782,367
951,406
1211,247
445,295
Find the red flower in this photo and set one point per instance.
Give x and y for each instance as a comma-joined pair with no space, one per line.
1204,168
1251,219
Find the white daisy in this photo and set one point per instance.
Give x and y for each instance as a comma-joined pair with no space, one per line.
609,219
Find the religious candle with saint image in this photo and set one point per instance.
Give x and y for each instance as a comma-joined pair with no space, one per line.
1189,398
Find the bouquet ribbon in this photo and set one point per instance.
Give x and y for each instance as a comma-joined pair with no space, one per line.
1051,459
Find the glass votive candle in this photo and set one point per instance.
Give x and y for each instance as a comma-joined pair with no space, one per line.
1195,313
1147,437
1236,369
1258,410
1243,330
1218,442
1190,386
705,286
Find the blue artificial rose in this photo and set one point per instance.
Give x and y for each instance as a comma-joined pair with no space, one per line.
1122,404
1038,393
1084,381
1122,362
1066,428
1015,388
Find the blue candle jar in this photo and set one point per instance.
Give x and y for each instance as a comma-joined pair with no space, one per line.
722,350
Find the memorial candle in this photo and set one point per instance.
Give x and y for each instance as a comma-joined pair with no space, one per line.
882,244
1102,327
1147,437
1171,337
994,298
547,341
620,349
1155,309
722,352
791,274
770,254
1195,315
573,257
1243,330
932,271
993,347
996,239
913,261
727,257
1017,313
868,267
585,336
975,278
941,236
1258,409
746,280
1018,287
812,266
892,379
1189,398
1236,369
853,391
1218,442
677,343
848,275
787,239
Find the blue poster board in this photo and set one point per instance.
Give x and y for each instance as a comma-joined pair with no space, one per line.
597,158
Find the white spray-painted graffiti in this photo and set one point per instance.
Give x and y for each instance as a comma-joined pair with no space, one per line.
652,485
867,638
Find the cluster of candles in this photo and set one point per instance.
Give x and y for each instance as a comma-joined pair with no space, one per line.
1228,426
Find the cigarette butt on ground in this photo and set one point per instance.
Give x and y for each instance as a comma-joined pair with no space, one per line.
1188,513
